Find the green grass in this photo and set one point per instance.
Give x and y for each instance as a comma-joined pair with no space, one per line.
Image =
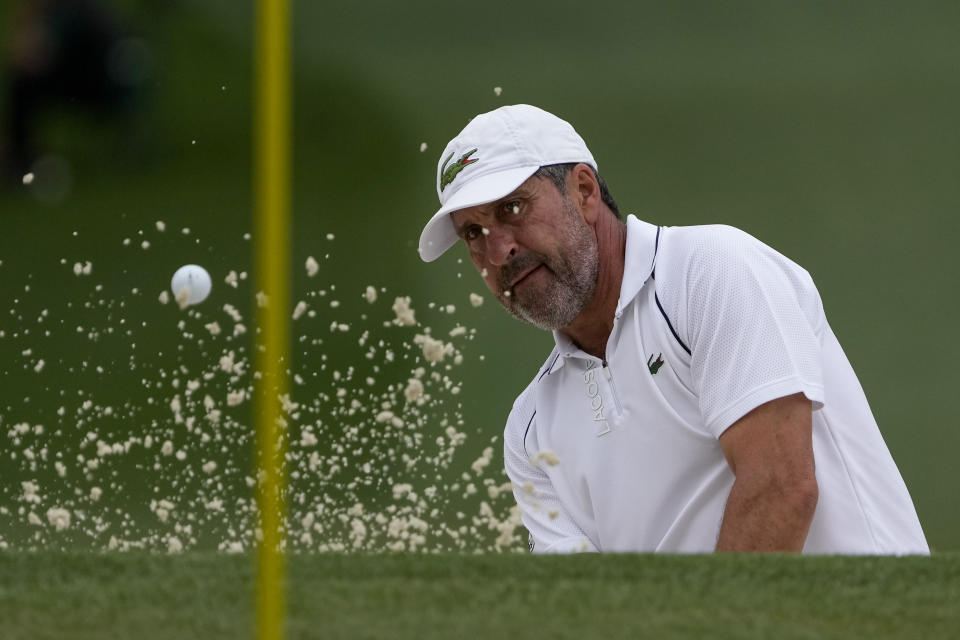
202,595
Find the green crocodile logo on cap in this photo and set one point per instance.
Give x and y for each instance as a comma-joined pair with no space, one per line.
447,174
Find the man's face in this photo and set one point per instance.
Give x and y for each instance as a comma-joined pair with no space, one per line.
534,251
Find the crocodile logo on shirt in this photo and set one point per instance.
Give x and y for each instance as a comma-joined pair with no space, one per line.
655,366
447,174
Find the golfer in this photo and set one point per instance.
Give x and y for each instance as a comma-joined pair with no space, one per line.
696,398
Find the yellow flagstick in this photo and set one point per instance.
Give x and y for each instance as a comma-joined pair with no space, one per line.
272,227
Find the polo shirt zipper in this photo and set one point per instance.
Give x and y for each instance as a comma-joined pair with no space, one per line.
608,375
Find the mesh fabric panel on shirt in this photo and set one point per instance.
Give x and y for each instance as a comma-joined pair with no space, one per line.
746,312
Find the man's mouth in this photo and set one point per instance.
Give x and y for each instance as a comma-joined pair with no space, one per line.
523,275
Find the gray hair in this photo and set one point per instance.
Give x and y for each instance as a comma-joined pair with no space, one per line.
557,174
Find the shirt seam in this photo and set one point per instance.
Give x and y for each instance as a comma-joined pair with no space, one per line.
853,484
534,392
722,417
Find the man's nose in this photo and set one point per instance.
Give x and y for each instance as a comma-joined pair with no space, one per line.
501,246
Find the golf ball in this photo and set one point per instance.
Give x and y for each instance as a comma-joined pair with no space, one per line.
191,284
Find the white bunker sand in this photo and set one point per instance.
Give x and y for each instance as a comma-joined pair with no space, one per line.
375,430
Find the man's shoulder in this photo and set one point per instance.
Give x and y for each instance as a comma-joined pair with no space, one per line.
523,412
692,249
525,404
689,240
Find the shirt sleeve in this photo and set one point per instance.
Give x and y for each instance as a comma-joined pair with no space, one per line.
551,528
752,320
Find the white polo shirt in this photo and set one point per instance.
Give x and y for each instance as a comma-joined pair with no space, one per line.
623,454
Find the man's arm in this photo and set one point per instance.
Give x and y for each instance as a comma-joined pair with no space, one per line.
774,496
552,528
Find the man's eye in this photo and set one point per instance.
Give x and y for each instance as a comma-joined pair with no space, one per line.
511,207
471,233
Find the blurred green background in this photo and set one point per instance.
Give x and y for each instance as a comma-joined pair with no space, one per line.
827,130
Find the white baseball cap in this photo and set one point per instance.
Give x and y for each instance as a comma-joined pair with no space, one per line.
494,154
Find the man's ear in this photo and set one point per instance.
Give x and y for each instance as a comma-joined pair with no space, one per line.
585,190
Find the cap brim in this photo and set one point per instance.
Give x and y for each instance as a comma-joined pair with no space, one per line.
439,234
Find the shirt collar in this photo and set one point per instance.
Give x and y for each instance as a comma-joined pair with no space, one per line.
642,241
641,251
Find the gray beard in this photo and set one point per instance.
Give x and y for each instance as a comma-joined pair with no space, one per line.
572,285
